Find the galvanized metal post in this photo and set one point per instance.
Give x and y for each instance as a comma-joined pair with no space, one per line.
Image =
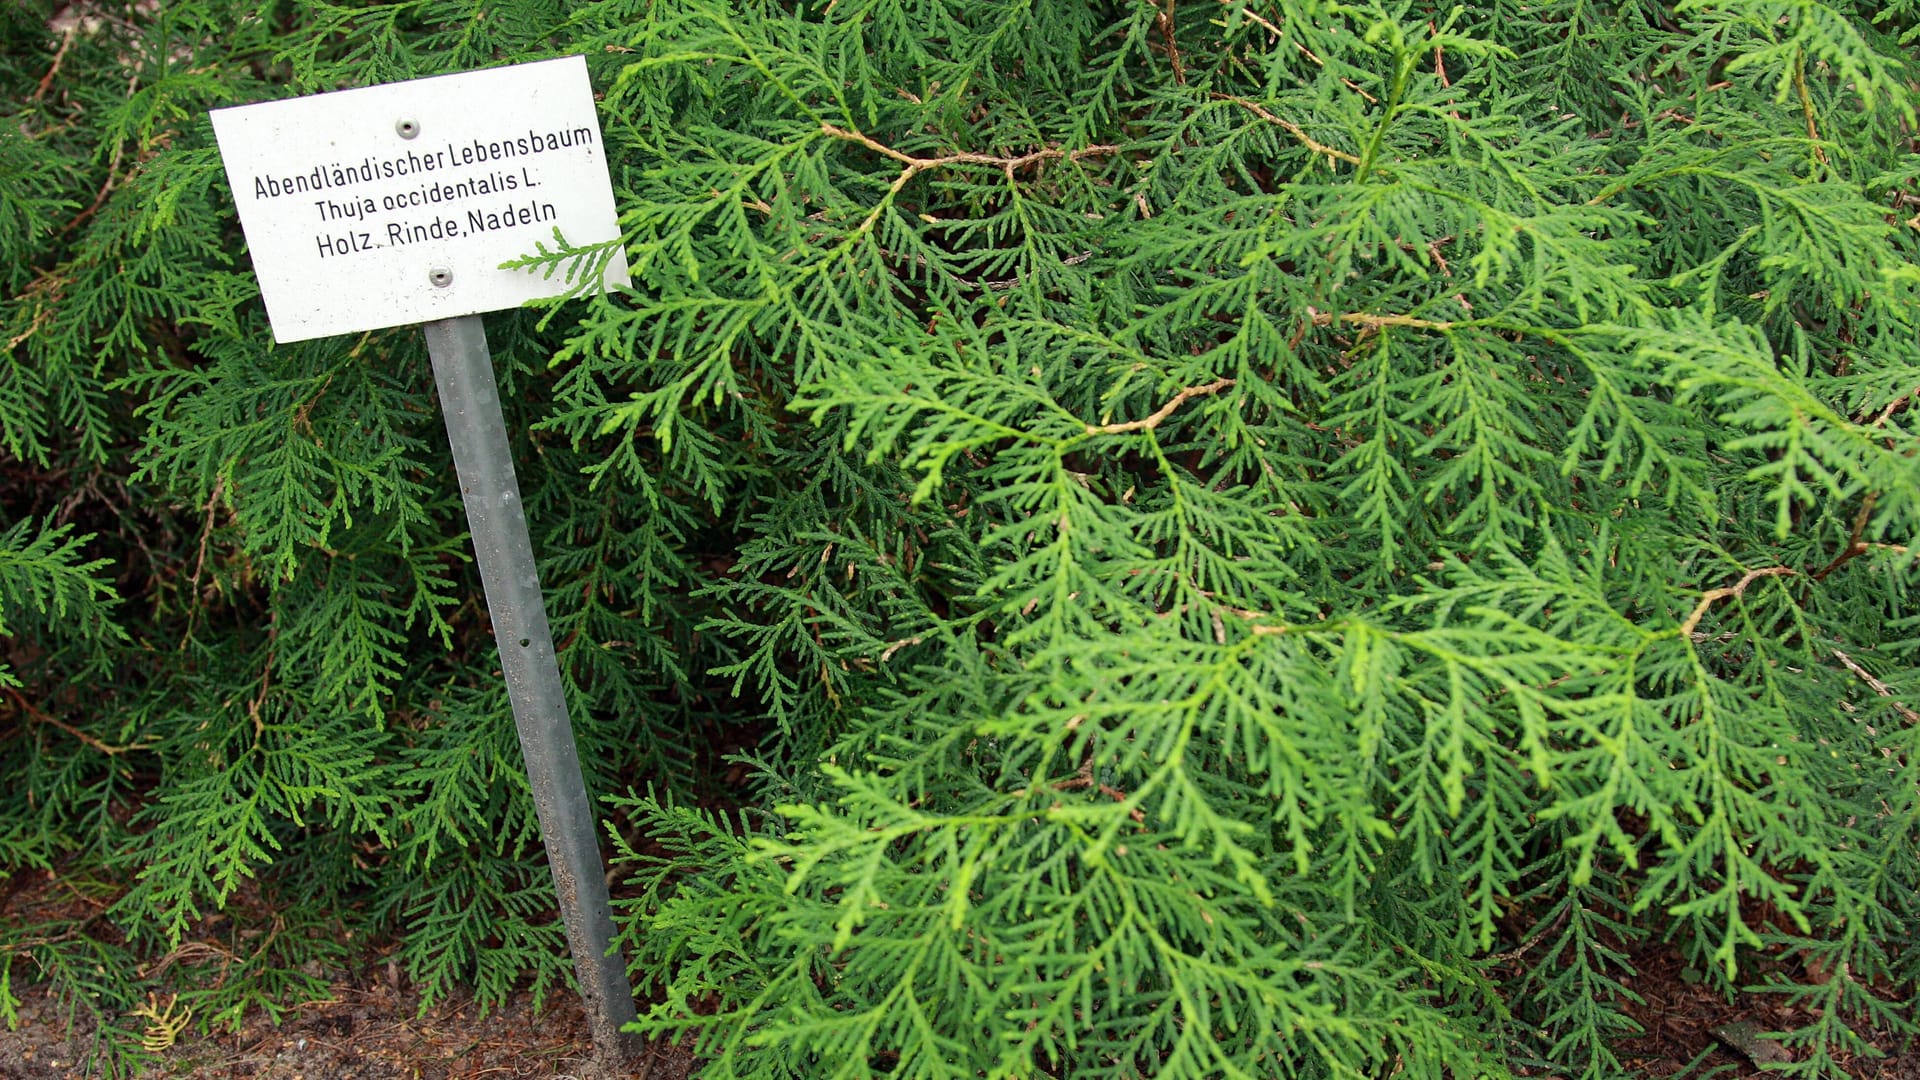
470,399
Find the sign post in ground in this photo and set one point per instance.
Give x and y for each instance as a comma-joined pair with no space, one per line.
397,204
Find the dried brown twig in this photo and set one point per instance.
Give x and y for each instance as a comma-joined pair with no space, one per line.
914,166
1160,415
1299,133
35,716
1879,687
1708,599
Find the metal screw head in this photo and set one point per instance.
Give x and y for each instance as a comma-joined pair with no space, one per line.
440,276
407,128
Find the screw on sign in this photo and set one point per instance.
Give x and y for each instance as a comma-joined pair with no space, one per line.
397,204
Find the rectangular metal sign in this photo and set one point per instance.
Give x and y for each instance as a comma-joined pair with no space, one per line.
397,204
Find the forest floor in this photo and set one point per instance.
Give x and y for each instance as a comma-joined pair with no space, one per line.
373,1028
362,1034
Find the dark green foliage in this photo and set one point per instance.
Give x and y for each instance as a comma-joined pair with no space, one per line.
1252,539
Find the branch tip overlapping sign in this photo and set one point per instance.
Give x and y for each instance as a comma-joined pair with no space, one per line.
398,204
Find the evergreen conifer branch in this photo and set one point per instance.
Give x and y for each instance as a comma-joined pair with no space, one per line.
1262,539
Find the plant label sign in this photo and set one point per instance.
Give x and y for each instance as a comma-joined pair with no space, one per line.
397,204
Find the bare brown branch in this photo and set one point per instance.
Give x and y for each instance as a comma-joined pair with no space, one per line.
914,165
1854,547
1879,687
46,81
1173,47
1738,588
1160,415
1895,406
36,716
1300,135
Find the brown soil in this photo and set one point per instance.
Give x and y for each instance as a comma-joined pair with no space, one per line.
373,1028
1684,1022
363,1034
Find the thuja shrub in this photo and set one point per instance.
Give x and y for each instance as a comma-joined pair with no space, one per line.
1249,539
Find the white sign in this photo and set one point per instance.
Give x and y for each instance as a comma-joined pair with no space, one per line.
397,204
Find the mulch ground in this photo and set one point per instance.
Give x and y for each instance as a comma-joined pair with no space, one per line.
373,1028
1686,1023
363,1034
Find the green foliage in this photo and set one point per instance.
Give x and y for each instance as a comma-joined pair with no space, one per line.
47,587
1256,539
90,976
